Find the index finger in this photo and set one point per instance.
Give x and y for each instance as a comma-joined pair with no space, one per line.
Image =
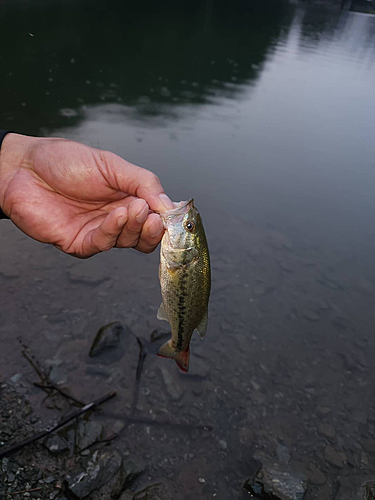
136,181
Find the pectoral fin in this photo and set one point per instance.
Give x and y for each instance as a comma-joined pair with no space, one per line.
202,327
161,313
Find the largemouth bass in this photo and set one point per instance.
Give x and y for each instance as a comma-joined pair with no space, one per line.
185,280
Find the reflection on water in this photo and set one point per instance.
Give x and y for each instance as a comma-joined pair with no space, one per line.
264,113
190,55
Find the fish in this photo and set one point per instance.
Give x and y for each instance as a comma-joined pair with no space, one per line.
185,280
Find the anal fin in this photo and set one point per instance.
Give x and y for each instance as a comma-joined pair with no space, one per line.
202,327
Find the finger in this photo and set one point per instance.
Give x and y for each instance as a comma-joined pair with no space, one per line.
151,235
137,214
104,237
136,181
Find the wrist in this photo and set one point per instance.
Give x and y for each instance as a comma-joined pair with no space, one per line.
12,158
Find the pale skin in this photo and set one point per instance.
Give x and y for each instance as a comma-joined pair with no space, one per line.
80,199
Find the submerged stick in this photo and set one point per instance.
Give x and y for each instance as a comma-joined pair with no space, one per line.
64,421
141,358
63,393
46,383
25,491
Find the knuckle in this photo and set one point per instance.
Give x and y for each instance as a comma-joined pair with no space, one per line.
153,178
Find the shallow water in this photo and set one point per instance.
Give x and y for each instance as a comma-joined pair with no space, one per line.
264,114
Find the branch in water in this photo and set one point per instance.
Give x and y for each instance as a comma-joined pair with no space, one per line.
64,421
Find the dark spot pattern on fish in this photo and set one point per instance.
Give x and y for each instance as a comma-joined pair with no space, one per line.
181,306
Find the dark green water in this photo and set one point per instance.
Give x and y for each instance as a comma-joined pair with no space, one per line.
264,113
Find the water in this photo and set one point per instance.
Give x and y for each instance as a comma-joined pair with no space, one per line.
263,113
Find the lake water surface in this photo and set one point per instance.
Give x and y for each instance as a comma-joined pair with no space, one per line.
264,113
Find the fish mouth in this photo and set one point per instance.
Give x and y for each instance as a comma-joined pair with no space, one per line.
181,208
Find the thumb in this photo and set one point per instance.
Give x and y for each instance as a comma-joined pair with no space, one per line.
136,181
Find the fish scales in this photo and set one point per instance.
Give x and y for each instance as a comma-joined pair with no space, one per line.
184,278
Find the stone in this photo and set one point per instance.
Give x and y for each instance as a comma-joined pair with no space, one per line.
277,482
369,445
159,334
334,457
369,490
327,430
87,272
127,495
364,460
315,475
173,388
255,385
351,488
223,444
128,473
118,426
108,338
56,444
98,473
16,378
282,454
58,375
157,491
310,315
87,433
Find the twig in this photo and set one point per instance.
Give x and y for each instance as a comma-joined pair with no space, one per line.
141,359
39,370
24,491
64,421
63,393
47,383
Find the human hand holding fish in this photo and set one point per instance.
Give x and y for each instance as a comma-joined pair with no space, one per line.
80,199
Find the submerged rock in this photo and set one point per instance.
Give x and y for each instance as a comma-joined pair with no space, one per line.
327,430
98,473
334,457
354,488
315,475
276,482
283,454
127,495
108,342
58,375
173,388
157,491
88,433
369,490
128,473
159,334
56,444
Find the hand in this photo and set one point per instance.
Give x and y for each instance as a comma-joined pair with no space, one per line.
80,199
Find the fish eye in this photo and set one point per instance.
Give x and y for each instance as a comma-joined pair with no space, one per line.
190,226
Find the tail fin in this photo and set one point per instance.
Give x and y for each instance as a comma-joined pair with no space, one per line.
181,357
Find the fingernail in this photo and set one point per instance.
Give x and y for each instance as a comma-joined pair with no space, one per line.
166,201
142,216
156,230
